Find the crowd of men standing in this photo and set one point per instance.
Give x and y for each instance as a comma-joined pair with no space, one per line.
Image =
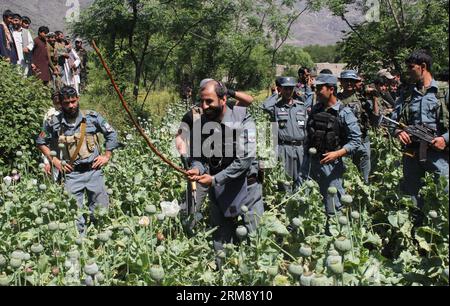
50,56
318,126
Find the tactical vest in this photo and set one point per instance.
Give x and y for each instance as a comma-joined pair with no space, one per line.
359,107
325,132
87,147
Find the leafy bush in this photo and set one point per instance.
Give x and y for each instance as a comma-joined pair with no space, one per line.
22,105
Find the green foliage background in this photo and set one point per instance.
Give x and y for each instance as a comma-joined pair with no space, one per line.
22,105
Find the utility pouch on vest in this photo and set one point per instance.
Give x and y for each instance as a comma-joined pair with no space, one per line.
92,142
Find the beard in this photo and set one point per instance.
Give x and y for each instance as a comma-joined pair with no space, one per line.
71,114
212,113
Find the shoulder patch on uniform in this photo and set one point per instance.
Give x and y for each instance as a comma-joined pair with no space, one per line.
92,113
108,127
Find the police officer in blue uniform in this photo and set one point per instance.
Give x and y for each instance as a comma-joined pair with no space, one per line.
231,170
82,162
420,105
290,116
333,132
187,142
303,90
363,110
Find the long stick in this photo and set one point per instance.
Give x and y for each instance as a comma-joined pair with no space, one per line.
135,122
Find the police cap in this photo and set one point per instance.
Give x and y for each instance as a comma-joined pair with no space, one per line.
350,74
288,82
324,78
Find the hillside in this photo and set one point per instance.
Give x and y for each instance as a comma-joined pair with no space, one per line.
320,28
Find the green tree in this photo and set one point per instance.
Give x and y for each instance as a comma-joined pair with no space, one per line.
391,31
292,55
323,54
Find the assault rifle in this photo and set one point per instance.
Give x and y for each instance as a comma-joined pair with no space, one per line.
419,132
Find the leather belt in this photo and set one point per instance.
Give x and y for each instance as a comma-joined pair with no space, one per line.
292,143
83,167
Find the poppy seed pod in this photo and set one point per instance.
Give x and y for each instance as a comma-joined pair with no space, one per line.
37,248
157,273
355,214
312,151
433,214
296,222
160,249
53,226
309,184
343,220
2,260
15,262
343,244
295,269
346,199
305,250
91,268
4,280
319,280
103,237
53,153
99,277
150,209
61,146
272,270
241,232
332,190
336,268
89,281
305,278
160,217
74,254
38,221
17,254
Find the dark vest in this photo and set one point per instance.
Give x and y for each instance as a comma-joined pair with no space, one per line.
325,132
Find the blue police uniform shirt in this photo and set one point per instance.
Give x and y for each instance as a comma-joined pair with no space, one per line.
291,118
423,108
95,123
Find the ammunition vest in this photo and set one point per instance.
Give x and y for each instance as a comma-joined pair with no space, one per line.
359,107
325,132
71,143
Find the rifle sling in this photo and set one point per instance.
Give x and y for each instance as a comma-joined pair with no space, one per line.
81,141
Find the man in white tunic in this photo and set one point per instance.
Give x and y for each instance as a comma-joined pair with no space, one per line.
24,44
